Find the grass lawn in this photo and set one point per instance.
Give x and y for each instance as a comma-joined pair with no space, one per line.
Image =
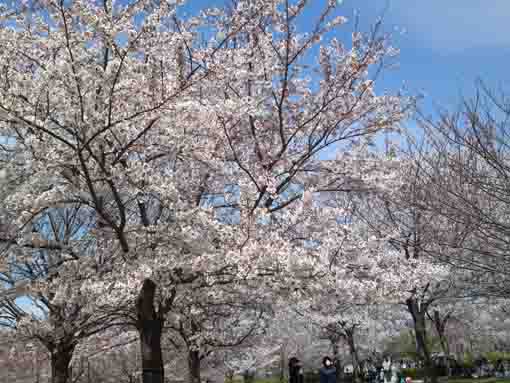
441,380
481,380
265,380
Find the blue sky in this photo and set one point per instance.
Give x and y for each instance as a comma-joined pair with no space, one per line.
446,46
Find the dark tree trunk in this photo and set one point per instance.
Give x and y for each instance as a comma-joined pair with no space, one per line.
283,362
354,354
248,377
420,330
194,366
440,325
229,376
150,328
60,363
37,369
336,359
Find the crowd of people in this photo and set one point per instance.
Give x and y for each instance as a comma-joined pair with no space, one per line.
386,373
393,372
327,372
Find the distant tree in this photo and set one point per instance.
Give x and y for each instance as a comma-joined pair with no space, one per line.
465,161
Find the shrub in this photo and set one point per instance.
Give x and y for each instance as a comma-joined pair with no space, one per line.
413,373
311,377
494,356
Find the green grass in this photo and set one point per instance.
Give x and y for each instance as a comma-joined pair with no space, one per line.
270,380
481,380
441,380
261,380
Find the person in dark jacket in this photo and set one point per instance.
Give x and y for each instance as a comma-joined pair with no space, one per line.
295,371
327,373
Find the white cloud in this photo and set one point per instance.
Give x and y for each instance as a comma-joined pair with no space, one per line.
454,24
444,24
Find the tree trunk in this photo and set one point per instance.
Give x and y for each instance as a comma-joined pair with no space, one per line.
440,325
60,361
446,349
229,376
38,369
354,354
194,366
448,366
283,362
420,330
150,328
248,376
336,359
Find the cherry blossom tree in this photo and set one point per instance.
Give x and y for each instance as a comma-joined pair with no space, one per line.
248,359
48,269
381,276
208,322
119,108
465,160
419,237
21,361
444,313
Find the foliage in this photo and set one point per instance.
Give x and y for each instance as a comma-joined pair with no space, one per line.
414,373
404,344
494,356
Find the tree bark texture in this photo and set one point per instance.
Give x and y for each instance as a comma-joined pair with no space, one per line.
150,328
194,366
354,355
418,313
336,361
61,357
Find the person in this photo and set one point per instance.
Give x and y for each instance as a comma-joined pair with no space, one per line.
388,376
500,369
295,371
327,373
